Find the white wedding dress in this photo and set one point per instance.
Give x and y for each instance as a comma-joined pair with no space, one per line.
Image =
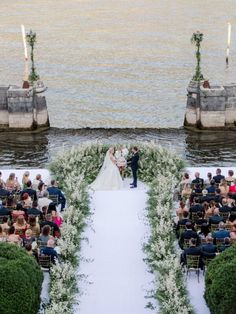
109,177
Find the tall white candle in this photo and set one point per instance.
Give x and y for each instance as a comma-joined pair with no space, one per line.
24,41
228,43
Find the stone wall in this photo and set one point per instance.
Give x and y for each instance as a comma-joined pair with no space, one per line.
209,108
22,109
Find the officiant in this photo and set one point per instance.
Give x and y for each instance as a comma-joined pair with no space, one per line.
133,163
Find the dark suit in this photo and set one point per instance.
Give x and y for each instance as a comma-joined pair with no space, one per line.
4,211
4,193
218,178
53,190
35,212
192,250
133,162
32,193
49,251
209,250
188,234
198,181
214,220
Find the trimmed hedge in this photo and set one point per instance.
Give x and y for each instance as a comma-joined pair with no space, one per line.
220,280
21,281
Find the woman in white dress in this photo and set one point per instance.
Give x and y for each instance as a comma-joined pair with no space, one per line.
109,176
120,156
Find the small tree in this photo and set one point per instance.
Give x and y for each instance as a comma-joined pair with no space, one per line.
220,281
31,39
196,39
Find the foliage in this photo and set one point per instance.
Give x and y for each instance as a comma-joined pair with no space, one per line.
160,169
31,39
220,281
196,39
21,281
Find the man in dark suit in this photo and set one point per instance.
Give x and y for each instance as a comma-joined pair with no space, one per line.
212,188
50,251
54,190
218,176
32,193
188,234
198,180
196,207
209,249
35,211
221,233
133,163
216,218
193,249
4,211
3,192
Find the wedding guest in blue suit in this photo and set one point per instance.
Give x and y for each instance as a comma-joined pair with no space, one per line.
54,190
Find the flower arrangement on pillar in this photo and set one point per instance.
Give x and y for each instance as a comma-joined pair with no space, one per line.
31,40
196,39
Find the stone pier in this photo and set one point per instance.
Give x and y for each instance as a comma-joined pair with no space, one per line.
22,109
210,108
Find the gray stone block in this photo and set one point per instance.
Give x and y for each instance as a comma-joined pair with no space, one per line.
230,90
213,103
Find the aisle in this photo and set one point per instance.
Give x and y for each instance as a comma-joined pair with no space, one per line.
118,274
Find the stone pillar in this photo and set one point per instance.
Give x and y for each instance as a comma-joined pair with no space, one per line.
212,107
230,110
20,108
3,107
191,109
40,105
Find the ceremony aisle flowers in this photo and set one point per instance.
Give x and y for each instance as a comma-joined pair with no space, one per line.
160,169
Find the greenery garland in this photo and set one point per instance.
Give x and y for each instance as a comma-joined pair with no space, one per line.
160,169
196,39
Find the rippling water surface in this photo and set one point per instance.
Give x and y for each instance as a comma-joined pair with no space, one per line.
121,63
36,150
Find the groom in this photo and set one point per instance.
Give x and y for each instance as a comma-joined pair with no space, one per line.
133,163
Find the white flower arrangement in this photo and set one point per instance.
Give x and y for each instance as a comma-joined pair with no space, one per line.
161,170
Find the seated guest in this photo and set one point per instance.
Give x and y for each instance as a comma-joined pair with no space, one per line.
193,249
187,191
54,190
19,211
212,188
32,193
223,186
3,191
57,218
188,234
29,239
218,197
205,197
45,234
4,225
221,233
25,179
226,245
200,220
218,177
12,183
208,179
209,212
4,211
225,207
216,218
35,211
230,177
50,251
20,226
41,189
209,249
34,226
197,189
26,200
230,200
204,232
182,208
37,180
232,188
196,207
29,250
12,237
185,180
198,180
44,200
52,208
182,222
48,221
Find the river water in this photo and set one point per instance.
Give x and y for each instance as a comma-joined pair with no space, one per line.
117,64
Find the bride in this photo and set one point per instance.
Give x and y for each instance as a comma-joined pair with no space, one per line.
109,176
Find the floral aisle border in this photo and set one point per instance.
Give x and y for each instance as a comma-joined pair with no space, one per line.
160,169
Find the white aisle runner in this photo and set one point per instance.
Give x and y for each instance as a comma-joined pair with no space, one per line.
118,275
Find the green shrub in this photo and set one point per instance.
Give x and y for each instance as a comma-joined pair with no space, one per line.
220,283
21,281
